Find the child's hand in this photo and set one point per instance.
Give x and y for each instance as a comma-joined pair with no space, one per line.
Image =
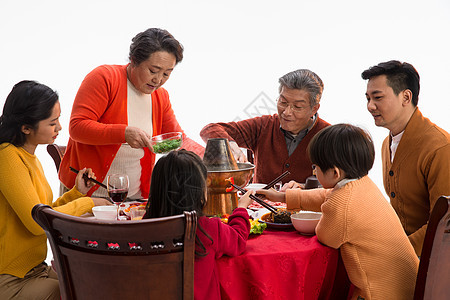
245,200
84,185
273,195
291,185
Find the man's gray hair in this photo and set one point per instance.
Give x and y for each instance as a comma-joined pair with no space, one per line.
304,79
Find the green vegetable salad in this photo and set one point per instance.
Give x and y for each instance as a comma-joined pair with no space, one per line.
166,146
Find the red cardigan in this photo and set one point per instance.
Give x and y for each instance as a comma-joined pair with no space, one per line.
98,122
228,240
264,137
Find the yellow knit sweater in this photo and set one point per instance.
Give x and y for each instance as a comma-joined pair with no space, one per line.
379,259
23,243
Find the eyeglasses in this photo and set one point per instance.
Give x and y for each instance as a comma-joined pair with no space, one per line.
284,104
314,170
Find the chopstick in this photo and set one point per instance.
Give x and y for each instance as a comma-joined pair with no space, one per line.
87,178
260,201
273,182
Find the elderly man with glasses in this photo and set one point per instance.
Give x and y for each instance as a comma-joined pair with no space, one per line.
279,141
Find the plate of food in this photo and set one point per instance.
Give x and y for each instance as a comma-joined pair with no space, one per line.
128,205
280,220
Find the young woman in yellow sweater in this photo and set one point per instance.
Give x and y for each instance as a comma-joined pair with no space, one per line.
379,259
30,117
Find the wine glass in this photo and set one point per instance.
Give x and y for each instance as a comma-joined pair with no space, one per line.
117,189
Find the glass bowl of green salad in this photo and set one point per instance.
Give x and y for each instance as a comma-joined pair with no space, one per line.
164,143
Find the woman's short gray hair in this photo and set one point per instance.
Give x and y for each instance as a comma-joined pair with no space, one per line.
304,79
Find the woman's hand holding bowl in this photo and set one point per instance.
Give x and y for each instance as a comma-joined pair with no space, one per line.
137,138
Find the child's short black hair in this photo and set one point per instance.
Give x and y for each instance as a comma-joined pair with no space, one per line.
345,146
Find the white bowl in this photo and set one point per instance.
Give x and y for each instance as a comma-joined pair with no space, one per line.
105,212
306,222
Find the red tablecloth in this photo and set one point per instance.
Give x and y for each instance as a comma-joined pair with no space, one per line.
279,265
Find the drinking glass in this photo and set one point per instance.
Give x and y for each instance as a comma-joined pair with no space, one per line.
278,186
117,189
137,212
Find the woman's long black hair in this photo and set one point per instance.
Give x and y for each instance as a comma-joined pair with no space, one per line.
28,103
178,184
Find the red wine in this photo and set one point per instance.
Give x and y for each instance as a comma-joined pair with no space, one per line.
118,195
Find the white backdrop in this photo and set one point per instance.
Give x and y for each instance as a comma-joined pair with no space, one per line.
235,51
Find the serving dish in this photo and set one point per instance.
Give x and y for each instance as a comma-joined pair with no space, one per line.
164,143
126,206
265,219
255,186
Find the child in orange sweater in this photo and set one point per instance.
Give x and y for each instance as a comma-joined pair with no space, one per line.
379,259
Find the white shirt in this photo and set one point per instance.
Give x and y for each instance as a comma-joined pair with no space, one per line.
127,159
343,182
395,140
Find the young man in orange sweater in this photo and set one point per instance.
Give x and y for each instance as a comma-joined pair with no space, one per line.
416,154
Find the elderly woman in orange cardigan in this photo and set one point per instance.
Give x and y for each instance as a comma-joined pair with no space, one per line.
118,108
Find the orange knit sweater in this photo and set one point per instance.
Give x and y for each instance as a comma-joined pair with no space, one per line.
379,259
419,175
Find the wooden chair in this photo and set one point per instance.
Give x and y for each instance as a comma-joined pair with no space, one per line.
433,278
146,259
57,153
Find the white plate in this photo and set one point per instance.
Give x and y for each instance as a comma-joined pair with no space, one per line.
255,186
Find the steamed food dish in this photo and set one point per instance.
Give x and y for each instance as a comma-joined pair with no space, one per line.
281,217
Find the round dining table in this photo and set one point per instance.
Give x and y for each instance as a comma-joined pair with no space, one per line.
283,264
